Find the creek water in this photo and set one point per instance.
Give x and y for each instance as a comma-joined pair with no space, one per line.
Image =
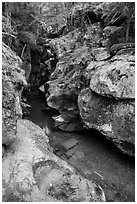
96,158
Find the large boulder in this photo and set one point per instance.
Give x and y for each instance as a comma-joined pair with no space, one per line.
32,173
108,104
100,109
115,78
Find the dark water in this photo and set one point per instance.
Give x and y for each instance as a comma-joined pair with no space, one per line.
95,158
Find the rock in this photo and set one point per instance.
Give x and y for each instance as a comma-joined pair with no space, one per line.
41,91
66,148
68,121
115,78
79,155
93,36
66,43
41,41
115,119
71,152
65,84
130,51
13,81
69,144
117,47
62,185
32,173
100,53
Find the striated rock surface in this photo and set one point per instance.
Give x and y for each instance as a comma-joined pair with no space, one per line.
32,173
114,118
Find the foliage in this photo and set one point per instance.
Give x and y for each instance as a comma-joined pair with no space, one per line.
36,17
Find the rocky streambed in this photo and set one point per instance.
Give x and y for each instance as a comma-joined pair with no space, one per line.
93,156
68,131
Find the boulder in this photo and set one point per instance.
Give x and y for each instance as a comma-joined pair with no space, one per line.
32,173
66,43
115,119
100,54
108,103
114,78
13,80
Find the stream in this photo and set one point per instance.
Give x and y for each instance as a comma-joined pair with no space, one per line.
95,158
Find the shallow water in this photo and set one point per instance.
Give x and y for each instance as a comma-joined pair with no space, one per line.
96,158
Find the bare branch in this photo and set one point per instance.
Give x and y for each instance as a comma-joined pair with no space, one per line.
9,34
23,51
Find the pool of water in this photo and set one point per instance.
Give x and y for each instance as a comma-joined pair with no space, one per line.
96,158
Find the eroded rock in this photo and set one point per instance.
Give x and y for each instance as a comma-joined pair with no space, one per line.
32,173
115,119
65,85
66,43
115,78
13,80
101,54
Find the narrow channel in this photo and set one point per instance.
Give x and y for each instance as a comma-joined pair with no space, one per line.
95,158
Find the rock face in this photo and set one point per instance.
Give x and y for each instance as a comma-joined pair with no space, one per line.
115,78
13,79
115,119
65,85
96,69
67,43
32,173
108,105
